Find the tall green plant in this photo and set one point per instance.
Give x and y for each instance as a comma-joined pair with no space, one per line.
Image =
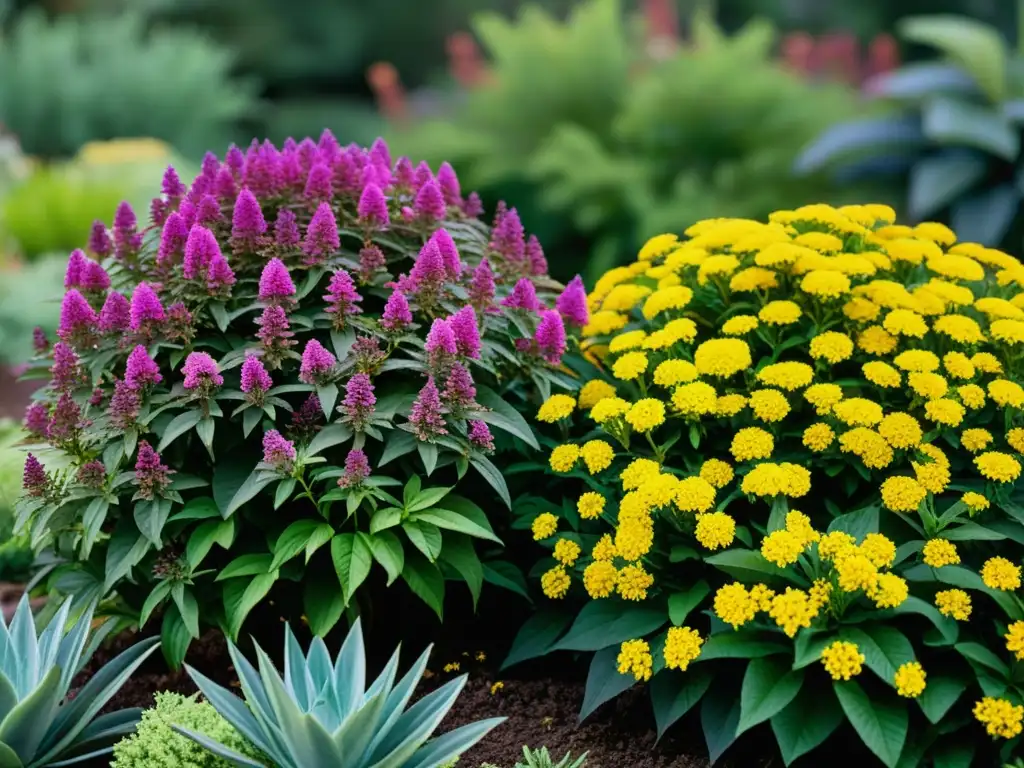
952,137
613,145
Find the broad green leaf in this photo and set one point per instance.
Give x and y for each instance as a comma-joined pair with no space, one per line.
537,636
673,694
806,722
769,685
880,723
425,580
719,717
940,694
977,47
179,425
387,550
601,623
681,603
352,560
730,644
324,603
604,681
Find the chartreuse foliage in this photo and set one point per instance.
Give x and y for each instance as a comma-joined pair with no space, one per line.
40,725
155,744
321,714
417,326
795,487
953,135
606,143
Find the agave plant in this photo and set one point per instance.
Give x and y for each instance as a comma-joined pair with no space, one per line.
321,715
541,758
39,725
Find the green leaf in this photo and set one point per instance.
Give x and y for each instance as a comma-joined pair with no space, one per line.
493,476
977,47
426,582
939,696
885,648
746,565
537,636
504,416
732,644
457,551
238,608
179,425
453,521
328,396
174,638
246,565
601,623
881,725
681,603
352,560
328,437
673,694
769,685
206,534
426,537
809,719
150,517
719,716
858,523
387,550
960,123
604,681
323,603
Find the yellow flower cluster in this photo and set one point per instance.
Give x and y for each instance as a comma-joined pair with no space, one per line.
827,359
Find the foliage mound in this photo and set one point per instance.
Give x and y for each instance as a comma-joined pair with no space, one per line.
612,144
247,415
794,471
155,744
952,138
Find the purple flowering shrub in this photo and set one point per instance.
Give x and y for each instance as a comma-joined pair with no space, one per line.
285,377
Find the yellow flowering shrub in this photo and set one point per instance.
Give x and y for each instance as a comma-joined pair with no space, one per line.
818,433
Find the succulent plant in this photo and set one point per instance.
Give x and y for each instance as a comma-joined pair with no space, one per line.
322,715
39,724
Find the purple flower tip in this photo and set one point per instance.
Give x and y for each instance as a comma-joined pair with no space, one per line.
572,303
141,370
317,363
201,371
275,282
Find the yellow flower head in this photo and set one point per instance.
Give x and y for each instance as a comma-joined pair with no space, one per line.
902,494
635,659
842,660
544,526
910,680
555,583
831,347
1000,717
673,372
715,530
1000,467
938,553
788,376
779,313
752,443
590,505
681,647
955,603
593,392
722,357
716,472
739,325
564,457
1000,573
556,408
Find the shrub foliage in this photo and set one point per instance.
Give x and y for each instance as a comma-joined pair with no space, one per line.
794,472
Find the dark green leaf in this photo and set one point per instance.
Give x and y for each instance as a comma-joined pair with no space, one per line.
881,724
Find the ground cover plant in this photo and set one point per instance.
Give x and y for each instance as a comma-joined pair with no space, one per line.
793,471
297,373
